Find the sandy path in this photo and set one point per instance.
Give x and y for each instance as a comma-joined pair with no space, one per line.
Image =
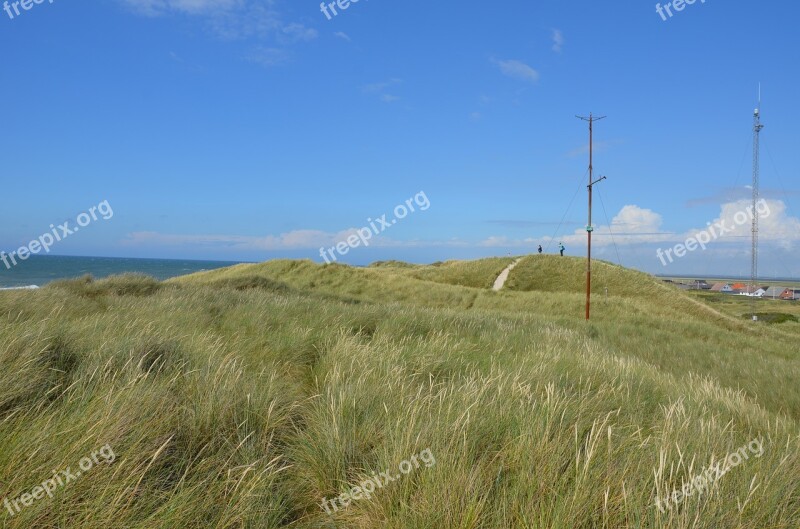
501,279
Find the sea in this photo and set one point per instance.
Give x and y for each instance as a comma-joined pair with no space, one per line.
38,270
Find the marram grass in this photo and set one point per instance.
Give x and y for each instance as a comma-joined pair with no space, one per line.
240,398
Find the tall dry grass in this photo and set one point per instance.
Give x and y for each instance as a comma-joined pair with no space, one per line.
240,398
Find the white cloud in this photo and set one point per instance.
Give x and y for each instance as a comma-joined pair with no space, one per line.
638,232
517,70
191,7
342,35
381,86
246,20
245,16
632,225
636,229
774,224
558,40
268,56
297,32
380,89
496,241
293,240
633,219
635,225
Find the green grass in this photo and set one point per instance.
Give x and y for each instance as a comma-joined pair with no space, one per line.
239,398
743,306
545,273
476,274
773,318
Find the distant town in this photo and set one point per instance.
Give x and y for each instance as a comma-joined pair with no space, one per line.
738,288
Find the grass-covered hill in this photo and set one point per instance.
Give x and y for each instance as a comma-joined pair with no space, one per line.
241,397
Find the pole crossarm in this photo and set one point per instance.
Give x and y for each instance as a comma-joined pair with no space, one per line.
597,181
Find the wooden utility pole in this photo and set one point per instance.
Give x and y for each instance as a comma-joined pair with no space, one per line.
591,119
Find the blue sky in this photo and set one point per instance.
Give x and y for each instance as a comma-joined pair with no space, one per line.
250,130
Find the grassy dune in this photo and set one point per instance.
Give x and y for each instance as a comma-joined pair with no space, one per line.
240,398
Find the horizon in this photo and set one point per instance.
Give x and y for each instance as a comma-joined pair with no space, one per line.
693,276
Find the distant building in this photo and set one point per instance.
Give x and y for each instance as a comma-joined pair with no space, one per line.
756,292
791,294
701,284
738,288
725,288
774,292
